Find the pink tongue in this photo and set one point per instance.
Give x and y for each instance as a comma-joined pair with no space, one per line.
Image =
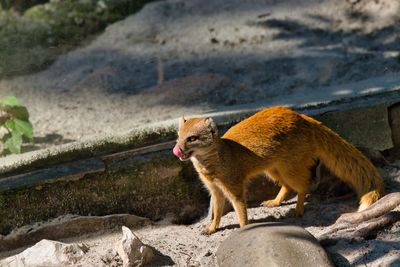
177,151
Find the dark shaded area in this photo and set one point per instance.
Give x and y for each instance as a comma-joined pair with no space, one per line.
114,72
147,186
339,260
332,56
38,142
20,5
53,138
394,120
104,70
314,36
342,44
42,30
372,252
161,259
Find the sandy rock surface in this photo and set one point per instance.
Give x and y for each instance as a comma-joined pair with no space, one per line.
47,253
180,57
272,244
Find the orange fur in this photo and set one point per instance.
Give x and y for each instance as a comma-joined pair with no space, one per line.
280,142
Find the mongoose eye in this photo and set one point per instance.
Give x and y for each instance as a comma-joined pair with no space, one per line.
192,138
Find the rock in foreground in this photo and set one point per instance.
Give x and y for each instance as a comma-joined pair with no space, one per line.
132,251
47,253
271,244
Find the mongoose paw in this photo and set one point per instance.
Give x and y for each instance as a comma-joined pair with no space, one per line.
270,203
208,230
299,212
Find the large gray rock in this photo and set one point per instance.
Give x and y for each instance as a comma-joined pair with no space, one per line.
47,253
271,244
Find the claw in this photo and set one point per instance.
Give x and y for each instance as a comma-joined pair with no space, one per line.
208,231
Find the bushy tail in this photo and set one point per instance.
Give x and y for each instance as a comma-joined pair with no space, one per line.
349,164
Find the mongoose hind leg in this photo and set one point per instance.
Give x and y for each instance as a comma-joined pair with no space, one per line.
301,196
297,178
283,192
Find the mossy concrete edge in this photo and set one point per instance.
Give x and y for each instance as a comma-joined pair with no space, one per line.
166,131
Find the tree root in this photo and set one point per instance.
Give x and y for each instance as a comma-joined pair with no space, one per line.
358,225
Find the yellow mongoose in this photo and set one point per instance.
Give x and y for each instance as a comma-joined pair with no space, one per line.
279,142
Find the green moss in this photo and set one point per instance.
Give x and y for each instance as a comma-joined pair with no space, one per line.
21,40
151,187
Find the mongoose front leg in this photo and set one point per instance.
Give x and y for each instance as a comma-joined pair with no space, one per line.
218,202
278,199
240,208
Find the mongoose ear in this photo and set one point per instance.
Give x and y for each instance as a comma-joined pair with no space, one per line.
182,120
212,126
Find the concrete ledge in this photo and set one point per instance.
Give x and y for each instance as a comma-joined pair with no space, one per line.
95,146
166,131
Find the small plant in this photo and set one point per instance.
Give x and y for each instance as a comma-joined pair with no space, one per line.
15,119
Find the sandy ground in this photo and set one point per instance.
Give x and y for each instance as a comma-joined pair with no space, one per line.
183,245
210,55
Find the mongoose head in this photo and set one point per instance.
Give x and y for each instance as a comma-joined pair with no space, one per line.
195,137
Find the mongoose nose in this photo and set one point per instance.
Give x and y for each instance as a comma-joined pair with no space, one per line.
178,151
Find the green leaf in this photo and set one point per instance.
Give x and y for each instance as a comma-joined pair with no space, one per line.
13,143
24,127
19,112
10,101
10,125
20,127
